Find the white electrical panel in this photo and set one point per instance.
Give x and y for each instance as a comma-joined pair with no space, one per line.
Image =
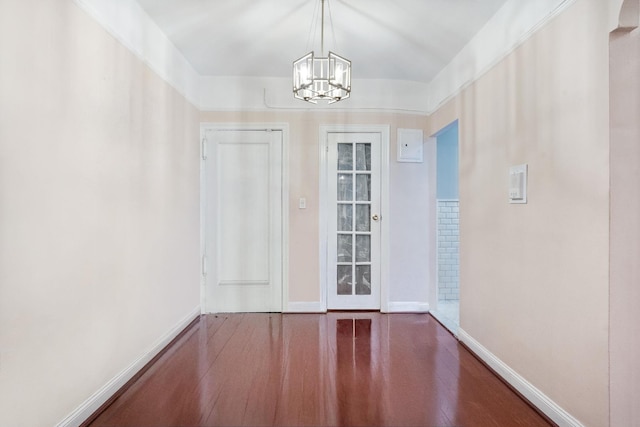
518,184
410,142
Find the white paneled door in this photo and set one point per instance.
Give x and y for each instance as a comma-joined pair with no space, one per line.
243,219
354,218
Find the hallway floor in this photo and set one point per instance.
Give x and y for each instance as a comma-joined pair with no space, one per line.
448,313
336,369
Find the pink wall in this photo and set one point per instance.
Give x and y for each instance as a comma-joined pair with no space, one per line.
534,278
624,291
99,209
408,179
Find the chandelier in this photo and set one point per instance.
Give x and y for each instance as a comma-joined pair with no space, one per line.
326,78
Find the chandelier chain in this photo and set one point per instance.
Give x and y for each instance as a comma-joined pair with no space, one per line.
333,31
313,27
322,31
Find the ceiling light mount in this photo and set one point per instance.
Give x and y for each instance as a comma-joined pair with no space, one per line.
326,78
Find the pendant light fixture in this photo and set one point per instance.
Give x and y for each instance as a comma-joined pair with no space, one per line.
326,78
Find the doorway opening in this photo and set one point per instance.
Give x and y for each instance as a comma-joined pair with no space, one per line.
447,305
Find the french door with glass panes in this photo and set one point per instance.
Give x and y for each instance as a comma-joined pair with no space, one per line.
354,221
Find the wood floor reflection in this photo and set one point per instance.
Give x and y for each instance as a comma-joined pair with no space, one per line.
336,369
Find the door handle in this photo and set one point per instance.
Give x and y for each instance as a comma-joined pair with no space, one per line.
375,217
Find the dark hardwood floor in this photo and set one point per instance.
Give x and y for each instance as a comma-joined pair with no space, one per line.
358,369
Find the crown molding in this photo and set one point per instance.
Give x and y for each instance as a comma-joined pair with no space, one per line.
514,23
509,28
128,23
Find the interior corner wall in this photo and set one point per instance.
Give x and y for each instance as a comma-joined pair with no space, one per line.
407,211
625,228
412,232
99,209
534,277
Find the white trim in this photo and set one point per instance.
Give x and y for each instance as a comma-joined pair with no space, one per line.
510,27
407,307
447,200
305,307
277,126
284,128
323,219
203,215
128,23
431,146
514,23
528,390
93,403
385,219
384,131
213,126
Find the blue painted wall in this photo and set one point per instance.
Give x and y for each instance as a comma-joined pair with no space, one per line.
447,162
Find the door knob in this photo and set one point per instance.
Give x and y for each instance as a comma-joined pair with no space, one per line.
375,217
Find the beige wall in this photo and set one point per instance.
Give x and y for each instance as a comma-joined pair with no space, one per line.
304,175
99,216
625,229
534,277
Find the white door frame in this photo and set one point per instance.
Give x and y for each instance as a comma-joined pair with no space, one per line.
383,130
208,127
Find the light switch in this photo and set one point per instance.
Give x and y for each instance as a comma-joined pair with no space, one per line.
518,184
302,204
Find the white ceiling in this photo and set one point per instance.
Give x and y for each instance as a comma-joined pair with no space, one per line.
392,39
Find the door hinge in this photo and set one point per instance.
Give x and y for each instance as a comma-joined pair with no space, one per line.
204,265
204,148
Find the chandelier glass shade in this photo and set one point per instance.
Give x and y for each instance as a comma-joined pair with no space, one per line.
326,78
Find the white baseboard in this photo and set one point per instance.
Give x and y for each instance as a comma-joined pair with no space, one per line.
407,307
93,403
528,390
305,307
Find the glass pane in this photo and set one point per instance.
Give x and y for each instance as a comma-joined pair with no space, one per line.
345,157
363,248
345,218
363,217
345,187
345,248
363,187
363,157
345,284
363,280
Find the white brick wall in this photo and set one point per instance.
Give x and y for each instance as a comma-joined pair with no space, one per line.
448,256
